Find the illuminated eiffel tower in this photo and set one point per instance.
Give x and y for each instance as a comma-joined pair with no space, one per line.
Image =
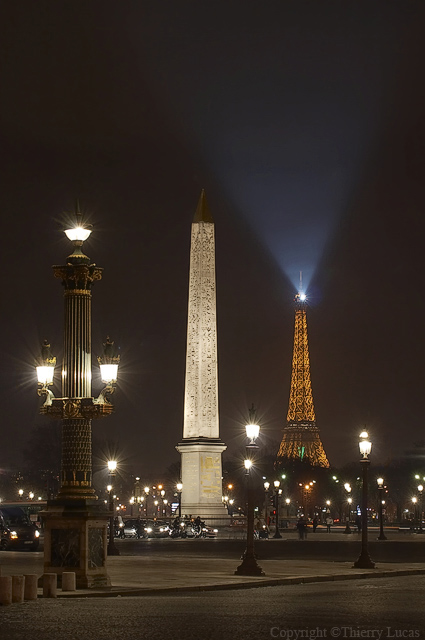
301,437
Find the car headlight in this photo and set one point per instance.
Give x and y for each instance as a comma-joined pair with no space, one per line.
37,533
149,530
13,535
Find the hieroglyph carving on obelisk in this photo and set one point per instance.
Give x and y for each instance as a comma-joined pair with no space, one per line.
201,398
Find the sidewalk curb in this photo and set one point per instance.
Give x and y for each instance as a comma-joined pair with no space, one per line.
255,584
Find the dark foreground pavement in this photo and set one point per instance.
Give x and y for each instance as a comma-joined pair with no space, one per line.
380,609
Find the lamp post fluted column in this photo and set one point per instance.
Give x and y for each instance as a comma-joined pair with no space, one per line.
364,561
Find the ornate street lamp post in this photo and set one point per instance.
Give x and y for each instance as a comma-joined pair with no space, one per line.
249,566
179,488
365,446
415,515
276,484
74,521
347,487
146,490
112,549
380,482
266,503
420,489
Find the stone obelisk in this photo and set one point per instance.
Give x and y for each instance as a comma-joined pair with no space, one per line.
201,447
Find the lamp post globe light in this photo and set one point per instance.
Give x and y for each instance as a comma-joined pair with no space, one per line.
347,487
75,522
364,561
276,484
112,549
380,482
249,566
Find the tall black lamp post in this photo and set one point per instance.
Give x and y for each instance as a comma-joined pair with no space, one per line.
112,549
179,488
421,506
347,529
249,566
364,561
266,502
380,482
276,484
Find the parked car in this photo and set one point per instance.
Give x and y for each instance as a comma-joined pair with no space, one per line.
17,531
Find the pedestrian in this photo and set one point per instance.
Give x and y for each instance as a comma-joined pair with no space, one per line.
315,524
329,523
302,528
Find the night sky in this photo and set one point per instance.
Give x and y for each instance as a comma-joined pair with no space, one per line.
305,124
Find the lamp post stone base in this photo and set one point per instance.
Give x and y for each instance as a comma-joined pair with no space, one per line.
364,562
249,567
75,539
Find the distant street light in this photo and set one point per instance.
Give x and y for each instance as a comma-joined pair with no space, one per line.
364,561
249,566
179,488
112,549
380,482
266,502
347,487
420,489
276,484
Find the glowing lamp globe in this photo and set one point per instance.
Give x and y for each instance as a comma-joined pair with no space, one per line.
77,233
365,445
179,486
112,465
108,373
252,431
276,484
266,485
303,297
45,374
248,464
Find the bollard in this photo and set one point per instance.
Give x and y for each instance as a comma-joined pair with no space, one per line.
30,588
68,581
18,588
50,581
6,590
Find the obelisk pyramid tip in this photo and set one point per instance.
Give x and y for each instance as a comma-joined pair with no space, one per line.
202,213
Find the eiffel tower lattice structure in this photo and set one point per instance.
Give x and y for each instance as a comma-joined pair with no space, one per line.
301,438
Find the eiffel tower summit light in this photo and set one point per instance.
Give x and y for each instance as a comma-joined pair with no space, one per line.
201,447
301,437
